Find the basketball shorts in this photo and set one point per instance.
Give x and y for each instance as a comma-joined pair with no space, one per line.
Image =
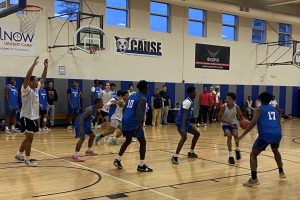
28,125
43,112
86,129
134,133
261,144
229,128
188,126
9,112
116,123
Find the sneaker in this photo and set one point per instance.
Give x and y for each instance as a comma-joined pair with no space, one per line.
282,175
204,125
133,139
238,155
114,141
40,130
97,139
153,124
231,161
174,160
7,131
251,182
90,153
76,158
20,158
15,131
192,155
46,129
144,168
30,163
117,164
70,127
198,125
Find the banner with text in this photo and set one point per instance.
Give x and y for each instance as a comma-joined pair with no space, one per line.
15,43
212,57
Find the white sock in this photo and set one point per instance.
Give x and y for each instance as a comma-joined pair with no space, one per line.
76,153
192,151
176,155
237,148
6,128
142,162
13,127
230,154
119,158
20,153
27,157
90,149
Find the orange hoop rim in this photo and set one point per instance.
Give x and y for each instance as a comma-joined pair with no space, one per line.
33,8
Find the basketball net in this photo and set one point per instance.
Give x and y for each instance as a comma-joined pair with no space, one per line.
29,18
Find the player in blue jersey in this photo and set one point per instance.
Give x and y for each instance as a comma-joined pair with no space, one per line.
184,126
267,119
83,127
43,109
95,91
73,95
132,125
11,105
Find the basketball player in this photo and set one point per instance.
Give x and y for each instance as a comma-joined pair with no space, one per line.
116,118
95,91
73,103
83,127
132,125
30,111
106,95
267,119
11,105
230,114
184,126
43,109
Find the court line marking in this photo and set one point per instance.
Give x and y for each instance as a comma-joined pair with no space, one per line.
108,175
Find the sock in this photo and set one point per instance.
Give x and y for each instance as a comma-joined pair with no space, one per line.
280,169
230,154
76,153
176,155
90,149
27,157
20,153
6,128
13,127
119,158
142,162
237,149
192,151
254,175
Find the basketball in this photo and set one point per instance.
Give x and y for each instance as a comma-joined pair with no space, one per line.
244,123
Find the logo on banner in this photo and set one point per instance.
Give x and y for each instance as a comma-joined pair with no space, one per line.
138,46
14,42
212,57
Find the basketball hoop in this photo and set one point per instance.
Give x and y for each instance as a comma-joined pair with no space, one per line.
29,18
96,50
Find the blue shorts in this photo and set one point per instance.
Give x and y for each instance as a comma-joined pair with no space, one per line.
87,131
134,133
188,126
261,144
11,113
73,111
229,128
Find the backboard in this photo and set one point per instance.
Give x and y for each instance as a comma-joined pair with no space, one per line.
8,7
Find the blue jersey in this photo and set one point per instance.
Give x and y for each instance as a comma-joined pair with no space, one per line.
88,120
96,93
112,107
187,104
13,96
43,99
74,93
129,120
268,124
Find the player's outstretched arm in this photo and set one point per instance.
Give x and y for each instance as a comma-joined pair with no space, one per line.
252,123
29,73
44,74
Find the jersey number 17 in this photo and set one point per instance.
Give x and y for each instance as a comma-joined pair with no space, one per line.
272,115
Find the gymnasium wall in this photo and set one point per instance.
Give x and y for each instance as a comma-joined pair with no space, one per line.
177,62
286,96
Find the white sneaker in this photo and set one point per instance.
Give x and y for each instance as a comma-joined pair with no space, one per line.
30,163
70,127
46,129
251,182
40,130
15,131
7,131
133,139
198,125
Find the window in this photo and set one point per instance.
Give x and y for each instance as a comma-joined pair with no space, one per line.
196,22
258,31
285,35
159,16
66,6
117,13
229,27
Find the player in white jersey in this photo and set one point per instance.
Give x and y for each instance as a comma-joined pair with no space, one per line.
30,111
116,118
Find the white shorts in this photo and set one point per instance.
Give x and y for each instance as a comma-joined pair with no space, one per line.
116,123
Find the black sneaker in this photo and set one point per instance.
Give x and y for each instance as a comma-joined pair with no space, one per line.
238,155
117,164
174,160
20,158
144,168
192,155
231,161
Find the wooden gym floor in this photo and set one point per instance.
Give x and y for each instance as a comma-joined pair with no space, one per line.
208,177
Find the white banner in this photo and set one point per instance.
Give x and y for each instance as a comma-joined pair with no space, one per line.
15,43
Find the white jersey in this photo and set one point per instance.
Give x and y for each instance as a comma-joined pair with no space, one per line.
118,113
30,102
230,114
106,96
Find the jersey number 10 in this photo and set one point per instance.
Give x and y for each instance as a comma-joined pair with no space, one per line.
130,103
272,115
